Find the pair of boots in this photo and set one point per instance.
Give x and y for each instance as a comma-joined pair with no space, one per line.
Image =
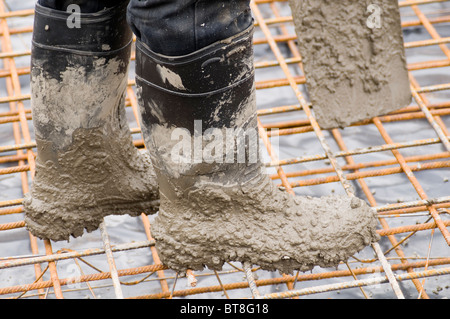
211,210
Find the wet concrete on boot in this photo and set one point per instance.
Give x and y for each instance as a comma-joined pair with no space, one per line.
355,67
87,166
213,223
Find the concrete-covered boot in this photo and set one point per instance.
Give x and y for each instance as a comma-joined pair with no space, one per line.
87,166
217,203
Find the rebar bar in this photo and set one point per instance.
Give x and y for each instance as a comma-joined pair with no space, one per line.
356,283
111,262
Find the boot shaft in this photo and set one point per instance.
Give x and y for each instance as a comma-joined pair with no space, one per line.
198,113
97,33
207,85
78,76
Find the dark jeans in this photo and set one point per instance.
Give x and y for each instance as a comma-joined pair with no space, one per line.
174,27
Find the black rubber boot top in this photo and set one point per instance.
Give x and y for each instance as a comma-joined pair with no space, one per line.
103,31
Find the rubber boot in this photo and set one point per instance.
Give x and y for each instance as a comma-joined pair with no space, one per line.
87,166
218,204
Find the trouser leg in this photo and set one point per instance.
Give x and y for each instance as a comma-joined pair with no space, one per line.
86,6
184,26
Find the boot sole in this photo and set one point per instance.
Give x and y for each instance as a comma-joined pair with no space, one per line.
59,224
